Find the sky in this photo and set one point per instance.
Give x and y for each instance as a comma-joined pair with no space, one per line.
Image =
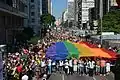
58,7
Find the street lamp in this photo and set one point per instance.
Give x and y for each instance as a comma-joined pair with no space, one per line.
101,16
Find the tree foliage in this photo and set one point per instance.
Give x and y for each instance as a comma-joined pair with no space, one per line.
25,35
28,31
47,19
34,40
111,22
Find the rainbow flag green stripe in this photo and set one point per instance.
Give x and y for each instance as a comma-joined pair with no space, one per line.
73,51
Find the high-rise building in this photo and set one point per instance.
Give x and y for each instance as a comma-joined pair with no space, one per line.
75,12
35,11
12,16
113,3
70,8
78,13
65,15
106,7
44,6
49,6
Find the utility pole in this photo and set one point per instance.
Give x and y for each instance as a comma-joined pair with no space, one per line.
101,16
108,5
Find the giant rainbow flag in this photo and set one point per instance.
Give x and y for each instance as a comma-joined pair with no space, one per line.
67,49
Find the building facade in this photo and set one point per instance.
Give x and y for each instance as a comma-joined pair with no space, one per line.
70,9
87,12
113,3
44,6
49,6
35,11
78,13
106,7
12,16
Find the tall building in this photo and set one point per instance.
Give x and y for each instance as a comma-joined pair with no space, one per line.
49,6
106,7
70,8
35,11
44,6
12,16
113,3
75,12
78,13
65,15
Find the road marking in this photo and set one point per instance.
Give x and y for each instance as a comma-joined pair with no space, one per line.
63,77
94,78
103,78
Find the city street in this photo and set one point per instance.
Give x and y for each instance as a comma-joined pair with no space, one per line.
59,76
49,39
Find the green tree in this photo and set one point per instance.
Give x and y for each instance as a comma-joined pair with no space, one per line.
29,32
111,22
25,35
34,40
47,20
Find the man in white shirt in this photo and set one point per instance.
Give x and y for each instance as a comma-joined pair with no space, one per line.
91,67
25,77
66,67
60,65
108,67
54,66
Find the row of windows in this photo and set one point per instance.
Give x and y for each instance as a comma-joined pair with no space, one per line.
33,14
18,4
33,20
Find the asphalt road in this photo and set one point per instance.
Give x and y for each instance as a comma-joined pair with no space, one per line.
58,76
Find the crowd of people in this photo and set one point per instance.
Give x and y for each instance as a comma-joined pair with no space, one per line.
30,63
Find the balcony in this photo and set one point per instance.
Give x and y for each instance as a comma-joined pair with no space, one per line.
11,10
